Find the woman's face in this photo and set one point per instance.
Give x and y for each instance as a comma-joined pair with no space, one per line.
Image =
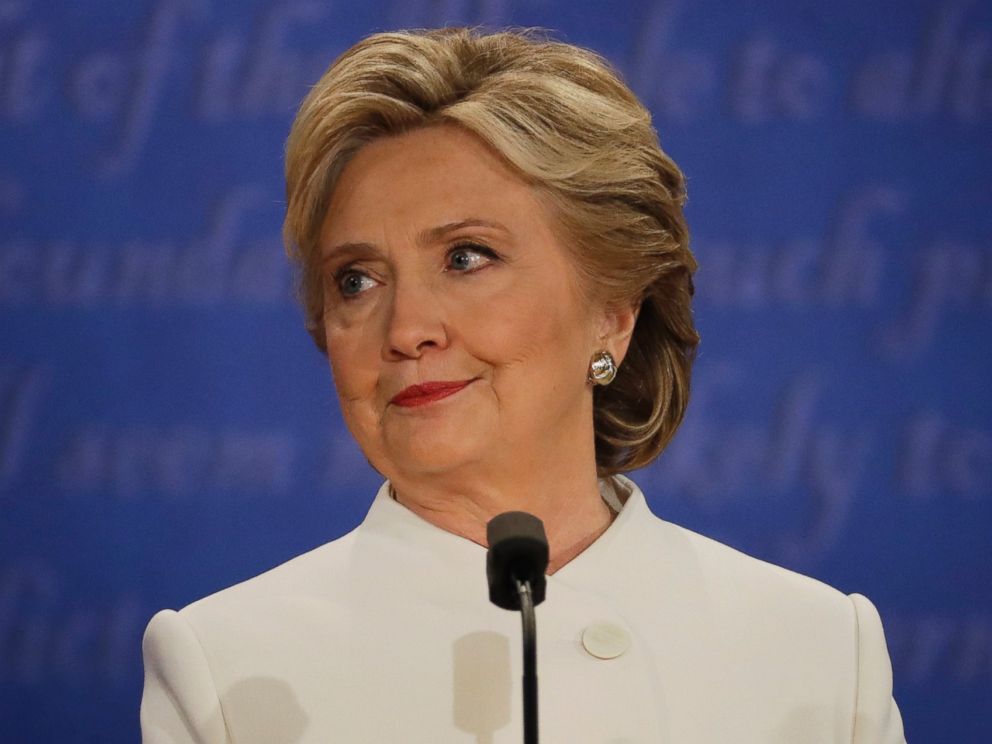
456,332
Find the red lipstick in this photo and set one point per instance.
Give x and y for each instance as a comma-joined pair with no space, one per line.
427,392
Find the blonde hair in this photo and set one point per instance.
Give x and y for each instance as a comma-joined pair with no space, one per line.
561,116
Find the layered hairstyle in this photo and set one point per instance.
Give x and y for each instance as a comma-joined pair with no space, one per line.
563,119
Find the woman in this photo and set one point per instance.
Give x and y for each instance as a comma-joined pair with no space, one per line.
495,261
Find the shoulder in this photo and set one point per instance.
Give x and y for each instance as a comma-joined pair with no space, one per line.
748,592
200,661
810,641
807,634
720,595
317,572
692,562
737,573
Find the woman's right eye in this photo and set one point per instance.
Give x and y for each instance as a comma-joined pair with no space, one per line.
352,283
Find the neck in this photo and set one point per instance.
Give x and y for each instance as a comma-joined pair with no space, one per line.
566,499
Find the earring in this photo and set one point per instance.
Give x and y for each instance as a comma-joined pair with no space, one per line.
602,368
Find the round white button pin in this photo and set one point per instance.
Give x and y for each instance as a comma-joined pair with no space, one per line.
605,640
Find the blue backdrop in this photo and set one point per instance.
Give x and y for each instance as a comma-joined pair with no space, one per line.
167,428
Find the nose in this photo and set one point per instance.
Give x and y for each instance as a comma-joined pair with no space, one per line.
415,322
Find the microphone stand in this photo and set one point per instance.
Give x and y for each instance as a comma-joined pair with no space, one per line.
529,627
515,566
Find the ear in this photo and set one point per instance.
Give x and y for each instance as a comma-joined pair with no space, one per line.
616,328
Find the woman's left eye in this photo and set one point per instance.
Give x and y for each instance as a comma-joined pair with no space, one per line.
468,257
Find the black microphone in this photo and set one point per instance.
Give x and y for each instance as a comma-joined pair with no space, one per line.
515,566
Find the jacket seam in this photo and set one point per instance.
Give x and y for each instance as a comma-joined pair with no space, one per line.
857,670
213,680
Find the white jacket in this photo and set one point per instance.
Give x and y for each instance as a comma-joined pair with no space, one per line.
653,634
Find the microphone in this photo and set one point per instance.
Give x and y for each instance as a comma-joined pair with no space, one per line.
515,566
518,551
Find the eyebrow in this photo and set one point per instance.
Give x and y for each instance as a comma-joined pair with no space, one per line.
429,235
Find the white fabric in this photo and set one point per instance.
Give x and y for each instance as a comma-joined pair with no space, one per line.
387,635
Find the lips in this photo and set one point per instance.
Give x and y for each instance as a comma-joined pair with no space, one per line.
427,392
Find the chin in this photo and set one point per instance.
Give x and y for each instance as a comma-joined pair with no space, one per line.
434,452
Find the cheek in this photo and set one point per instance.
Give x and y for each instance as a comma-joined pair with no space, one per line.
355,384
353,365
539,334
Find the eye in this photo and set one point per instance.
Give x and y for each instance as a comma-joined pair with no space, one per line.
468,257
352,283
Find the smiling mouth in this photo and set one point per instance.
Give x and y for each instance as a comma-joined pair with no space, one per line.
428,392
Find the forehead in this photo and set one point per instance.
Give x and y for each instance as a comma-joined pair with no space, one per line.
431,176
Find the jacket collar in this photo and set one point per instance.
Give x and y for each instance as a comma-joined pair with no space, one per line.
388,518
